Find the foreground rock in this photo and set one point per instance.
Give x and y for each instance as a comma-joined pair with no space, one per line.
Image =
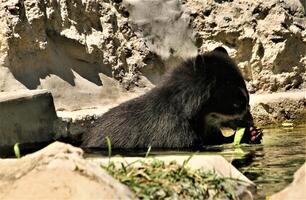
60,172
296,190
218,164
206,162
57,172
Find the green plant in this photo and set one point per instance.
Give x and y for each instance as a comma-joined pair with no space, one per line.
17,150
154,179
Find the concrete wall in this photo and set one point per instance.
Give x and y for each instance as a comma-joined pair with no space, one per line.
26,117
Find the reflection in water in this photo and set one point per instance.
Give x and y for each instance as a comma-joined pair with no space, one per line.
283,151
270,165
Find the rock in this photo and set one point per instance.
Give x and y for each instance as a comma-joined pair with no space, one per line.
296,190
26,117
205,162
79,50
304,5
165,28
266,38
83,52
88,52
58,171
279,107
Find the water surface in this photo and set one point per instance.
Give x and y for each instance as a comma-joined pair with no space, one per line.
272,164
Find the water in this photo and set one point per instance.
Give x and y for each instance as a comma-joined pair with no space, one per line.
270,165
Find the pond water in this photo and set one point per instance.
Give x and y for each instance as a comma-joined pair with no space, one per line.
270,165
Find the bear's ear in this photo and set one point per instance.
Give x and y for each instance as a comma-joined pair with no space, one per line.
199,62
221,50
199,59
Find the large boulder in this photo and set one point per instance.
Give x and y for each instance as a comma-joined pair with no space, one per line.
59,171
296,190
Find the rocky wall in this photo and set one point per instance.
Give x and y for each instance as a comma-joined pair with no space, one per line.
82,51
266,38
92,53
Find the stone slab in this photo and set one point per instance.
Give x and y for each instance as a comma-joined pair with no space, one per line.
26,117
275,108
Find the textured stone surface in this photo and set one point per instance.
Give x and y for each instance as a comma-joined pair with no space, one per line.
296,190
80,50
26,117
88,52
57,172
275,108
164,25
266,38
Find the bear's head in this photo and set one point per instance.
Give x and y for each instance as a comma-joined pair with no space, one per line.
228,102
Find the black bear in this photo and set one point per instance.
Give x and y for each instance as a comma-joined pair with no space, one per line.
185,111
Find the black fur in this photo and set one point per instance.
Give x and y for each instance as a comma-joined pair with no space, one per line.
173,114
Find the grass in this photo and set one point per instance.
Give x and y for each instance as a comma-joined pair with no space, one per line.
154,179
150,178
17,150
